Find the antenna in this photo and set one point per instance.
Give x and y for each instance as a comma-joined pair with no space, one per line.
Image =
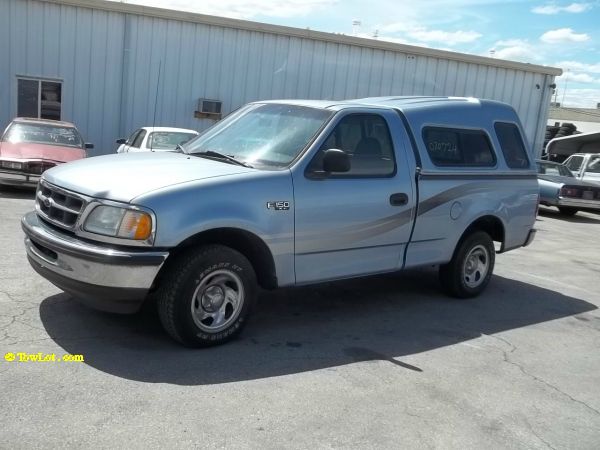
156,101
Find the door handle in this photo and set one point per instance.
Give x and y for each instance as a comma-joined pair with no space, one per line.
398,199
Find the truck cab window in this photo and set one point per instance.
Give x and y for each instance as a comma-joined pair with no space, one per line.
512,145
366,138
458,147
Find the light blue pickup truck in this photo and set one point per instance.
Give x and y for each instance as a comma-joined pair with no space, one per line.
284,193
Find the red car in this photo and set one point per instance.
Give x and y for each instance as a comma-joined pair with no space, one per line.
30,146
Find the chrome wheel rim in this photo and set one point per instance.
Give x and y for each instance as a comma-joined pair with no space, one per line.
476,266
217,301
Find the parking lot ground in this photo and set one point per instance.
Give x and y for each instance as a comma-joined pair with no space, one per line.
382,362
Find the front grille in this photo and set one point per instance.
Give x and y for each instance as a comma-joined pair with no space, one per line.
38,167
58,206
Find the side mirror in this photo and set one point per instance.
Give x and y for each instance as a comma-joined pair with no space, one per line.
336,160
88,145
121,141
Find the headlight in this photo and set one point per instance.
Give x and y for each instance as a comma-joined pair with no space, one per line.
12,165
119,222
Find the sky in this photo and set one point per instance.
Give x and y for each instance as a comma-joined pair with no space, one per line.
563,34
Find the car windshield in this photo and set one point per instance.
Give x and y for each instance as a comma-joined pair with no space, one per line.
262,134
168,140
553,169
43,134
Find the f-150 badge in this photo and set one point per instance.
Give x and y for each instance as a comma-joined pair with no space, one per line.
278,206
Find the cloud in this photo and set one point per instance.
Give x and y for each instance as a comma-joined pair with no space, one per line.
552,8
580,98
577,78
241,9
423,34
516,50
579,66
448,37
563,35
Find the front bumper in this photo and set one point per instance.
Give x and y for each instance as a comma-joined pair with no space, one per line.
15,178
103,278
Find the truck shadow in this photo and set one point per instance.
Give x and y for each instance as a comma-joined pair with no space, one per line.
309,328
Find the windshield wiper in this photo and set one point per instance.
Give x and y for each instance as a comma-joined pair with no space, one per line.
213,154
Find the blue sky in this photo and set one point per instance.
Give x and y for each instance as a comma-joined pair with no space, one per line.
563,34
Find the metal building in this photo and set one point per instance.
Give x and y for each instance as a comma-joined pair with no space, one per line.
112,67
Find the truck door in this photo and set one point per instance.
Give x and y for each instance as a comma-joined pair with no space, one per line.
357,222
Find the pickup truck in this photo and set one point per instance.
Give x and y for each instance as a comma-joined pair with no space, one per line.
284,193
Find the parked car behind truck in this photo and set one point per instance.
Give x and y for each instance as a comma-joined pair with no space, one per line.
560,188
285,193
585,166
28,147
155,139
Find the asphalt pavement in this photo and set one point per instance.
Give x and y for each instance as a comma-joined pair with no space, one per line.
380,362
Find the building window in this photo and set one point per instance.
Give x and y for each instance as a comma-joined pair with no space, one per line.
458,147
39,98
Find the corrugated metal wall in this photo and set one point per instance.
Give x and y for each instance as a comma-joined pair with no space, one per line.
109,63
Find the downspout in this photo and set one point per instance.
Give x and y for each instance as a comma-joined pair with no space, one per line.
124,91
542,118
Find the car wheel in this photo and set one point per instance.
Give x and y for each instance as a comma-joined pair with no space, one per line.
470,269
567,211
206,295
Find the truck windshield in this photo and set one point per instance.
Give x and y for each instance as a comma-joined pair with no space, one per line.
262,134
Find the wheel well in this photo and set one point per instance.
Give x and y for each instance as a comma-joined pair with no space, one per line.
248,244
492,225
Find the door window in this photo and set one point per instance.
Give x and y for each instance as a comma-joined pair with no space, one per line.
593,165
366,138
138,139
574,163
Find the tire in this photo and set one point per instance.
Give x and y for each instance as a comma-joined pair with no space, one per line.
567,211
470,269
206,296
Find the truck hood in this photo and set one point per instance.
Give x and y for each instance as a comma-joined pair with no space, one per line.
122,177
30,150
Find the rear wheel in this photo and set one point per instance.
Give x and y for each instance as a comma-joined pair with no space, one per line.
206,296
567,211
470,269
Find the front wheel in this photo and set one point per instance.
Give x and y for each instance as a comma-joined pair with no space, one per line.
470,269
206,296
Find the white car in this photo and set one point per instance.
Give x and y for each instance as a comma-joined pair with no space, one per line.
155,139
585,166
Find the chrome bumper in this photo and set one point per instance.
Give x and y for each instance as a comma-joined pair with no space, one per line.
105,278
18,179
578,203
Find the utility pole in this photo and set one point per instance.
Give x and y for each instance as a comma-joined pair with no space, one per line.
562,103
